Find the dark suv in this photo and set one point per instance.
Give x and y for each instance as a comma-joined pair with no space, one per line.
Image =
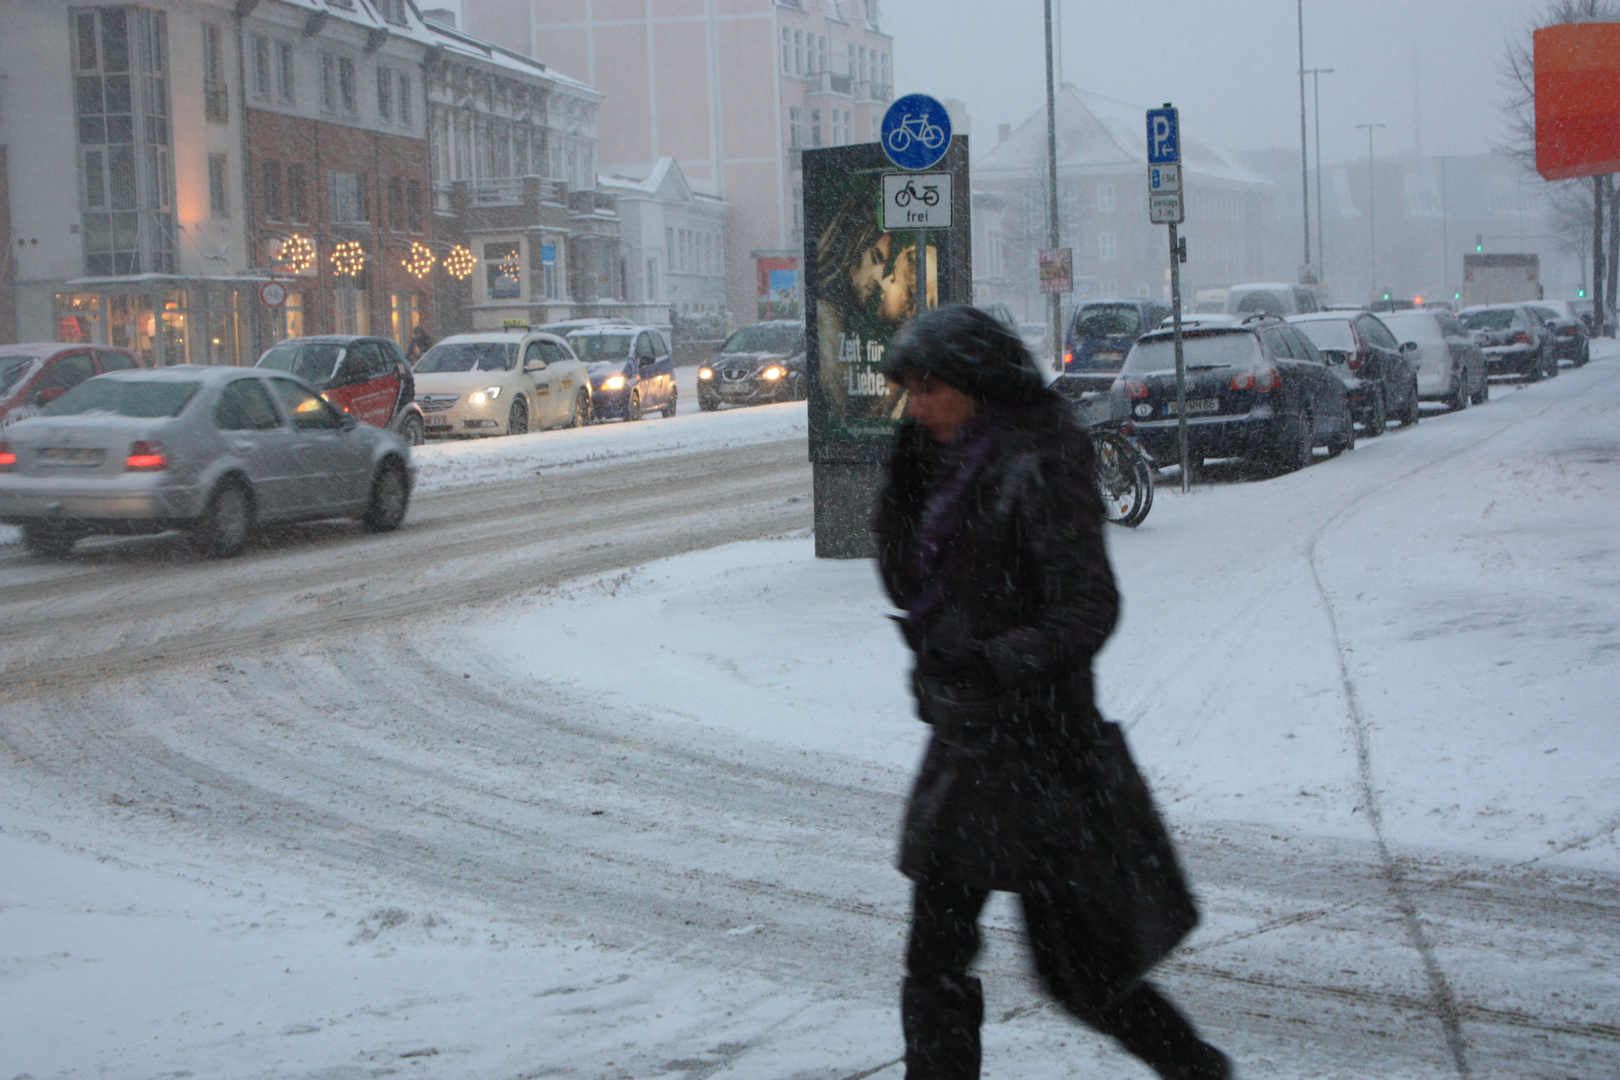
1258,390
1514,340
366,377
1099,336
1379,372
761,363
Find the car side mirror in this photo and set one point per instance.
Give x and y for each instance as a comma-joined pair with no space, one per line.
46,396
531,366
347,421
1409,347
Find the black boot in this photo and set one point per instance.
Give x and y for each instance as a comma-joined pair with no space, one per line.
940,1017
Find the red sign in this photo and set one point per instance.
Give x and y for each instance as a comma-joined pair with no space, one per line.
1577,91
272,294
1057,270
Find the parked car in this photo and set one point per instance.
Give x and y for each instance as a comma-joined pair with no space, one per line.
1099,335
1378,373
631,369
1272,298
501,382
215,451
761,363
1571,341
1450,365
1514,340
564,327
1258,390
366,377
35,374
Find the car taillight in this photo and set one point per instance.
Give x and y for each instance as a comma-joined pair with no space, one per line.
1135,390
1521,338
1068,357
1264,380
8,458
146,456
1353,360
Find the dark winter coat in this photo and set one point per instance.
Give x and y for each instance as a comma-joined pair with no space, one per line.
993,547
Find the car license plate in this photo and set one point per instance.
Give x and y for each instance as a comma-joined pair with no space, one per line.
1109,355
1195,406
69,455
736,388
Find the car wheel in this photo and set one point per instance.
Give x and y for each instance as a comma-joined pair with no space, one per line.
1457,400
632,410
517,421
1377,419
412,431
1346,440
1534,372
390,495
223,529
1298,444
1484,393
582,410
1552,366
1586,354
50,541
1414,408
707,404
669,410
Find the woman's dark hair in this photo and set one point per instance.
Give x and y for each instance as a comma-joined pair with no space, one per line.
967,348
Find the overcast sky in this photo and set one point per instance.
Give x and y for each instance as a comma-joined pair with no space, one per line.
1426,68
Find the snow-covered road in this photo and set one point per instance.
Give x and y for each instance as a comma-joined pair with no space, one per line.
532,805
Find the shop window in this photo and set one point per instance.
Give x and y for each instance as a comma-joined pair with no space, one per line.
503,271
78,317
404,316
351,306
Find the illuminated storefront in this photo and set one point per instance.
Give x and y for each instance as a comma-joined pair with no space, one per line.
169,320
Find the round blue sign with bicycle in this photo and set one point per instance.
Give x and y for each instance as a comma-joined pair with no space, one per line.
916,131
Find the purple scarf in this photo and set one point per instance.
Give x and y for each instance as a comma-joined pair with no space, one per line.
958,467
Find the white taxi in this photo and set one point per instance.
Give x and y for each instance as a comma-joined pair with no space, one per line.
501,382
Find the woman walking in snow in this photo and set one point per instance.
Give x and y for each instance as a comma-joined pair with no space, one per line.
989,535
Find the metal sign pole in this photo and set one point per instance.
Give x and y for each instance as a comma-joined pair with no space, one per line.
1181,367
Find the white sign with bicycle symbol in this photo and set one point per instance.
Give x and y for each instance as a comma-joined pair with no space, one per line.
916,201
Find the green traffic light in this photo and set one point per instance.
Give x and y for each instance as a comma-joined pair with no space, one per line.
1580,294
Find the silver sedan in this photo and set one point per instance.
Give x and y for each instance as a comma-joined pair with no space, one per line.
211,450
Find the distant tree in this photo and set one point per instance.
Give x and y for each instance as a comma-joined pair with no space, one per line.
1601,197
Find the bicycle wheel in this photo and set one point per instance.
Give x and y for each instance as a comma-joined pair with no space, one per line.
1124,479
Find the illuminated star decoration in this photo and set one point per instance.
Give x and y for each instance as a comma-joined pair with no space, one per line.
460,262
419,263
297,254
348,258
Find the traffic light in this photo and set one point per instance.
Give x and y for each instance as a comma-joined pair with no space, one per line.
1479,242
1580,294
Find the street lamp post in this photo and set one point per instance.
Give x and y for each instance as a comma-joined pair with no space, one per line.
1321,230
1372,225
1304,160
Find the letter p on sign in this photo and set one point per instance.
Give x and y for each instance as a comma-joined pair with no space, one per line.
1163,137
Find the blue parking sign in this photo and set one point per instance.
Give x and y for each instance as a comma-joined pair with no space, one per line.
1163,136
916,131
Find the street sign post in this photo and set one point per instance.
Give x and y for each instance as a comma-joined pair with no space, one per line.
272,293
1167,207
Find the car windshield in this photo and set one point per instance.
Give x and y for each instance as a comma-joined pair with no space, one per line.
1198,351
1108,320
1329,334
1547,314
763,339
12,369
142,398
1492,319
314,362
1261,302
593,347
468,356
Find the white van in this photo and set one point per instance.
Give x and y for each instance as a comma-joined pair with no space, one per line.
1272,298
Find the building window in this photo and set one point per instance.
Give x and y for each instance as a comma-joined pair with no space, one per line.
787,51
261,68
329,82
216,105
815,127
346,197
385,93
270,191
219,203
795,128
1107,248
503,271
286,73
821,55
1105,198
396,204
413,206
798,52
405,100
297,194
346,85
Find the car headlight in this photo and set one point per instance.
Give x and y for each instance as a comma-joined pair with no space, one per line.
484,396
773,373
705,373
613,382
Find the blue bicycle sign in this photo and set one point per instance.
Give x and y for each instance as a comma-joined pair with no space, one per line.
916,131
